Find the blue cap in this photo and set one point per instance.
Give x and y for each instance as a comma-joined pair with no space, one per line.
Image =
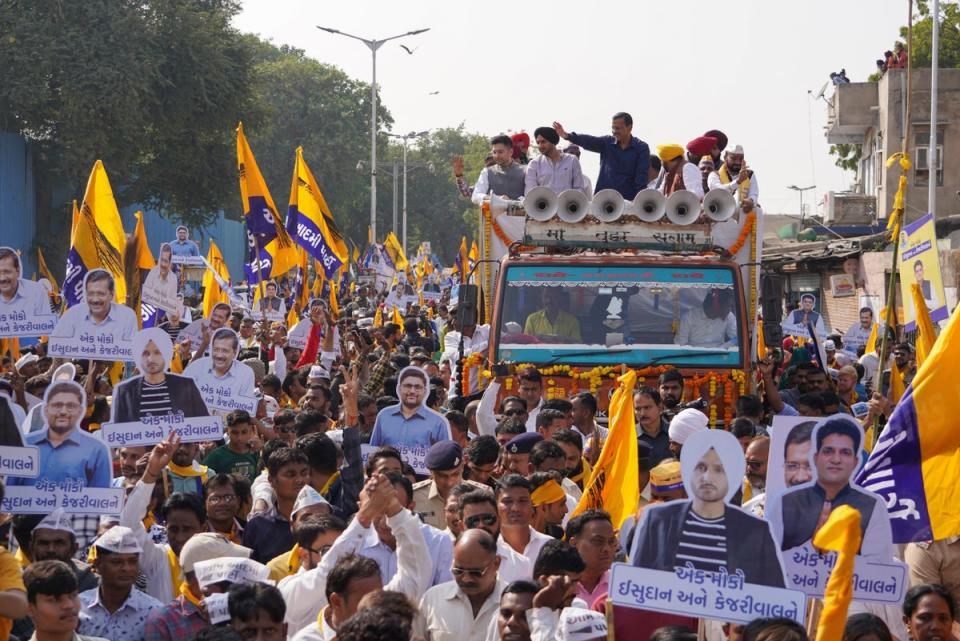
523,443
444,455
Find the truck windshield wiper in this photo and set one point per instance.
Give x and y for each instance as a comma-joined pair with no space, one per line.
651,361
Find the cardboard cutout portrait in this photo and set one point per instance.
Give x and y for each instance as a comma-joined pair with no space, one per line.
97,327
160,286
225,383
219,316
298,334
146,408
75,468
186,252
24,304
810,473
703,556
679,533
410,426
795,323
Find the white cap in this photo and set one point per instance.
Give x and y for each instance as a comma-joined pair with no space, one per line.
120,540
577,624
829,345
209,545
736,149
318,371
270,405
308,497
57,520
109,519
686,423
25,360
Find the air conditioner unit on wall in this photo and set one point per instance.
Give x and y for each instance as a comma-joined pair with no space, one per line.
850,209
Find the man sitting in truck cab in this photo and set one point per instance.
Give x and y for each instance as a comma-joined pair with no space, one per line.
710,325
551,324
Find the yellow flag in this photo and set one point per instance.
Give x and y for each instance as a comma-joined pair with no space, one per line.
334,305
46,273
926,334
369,235
378,318
144,256
840,534
138,260
356,254
74,220
614,483
395,252
292,318
310,220
212,292
897,387
872,340
110,239
397,318
318,281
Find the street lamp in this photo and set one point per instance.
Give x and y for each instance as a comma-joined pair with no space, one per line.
373,45
405,138
801,190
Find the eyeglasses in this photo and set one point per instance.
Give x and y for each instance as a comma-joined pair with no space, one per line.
222,498
754,465
516,412
475,520
473,572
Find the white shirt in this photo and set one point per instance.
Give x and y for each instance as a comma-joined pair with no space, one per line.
126,624
698,330
154,560
513,566
561,175
714,182
482,186
870,362
451,351
31,298
305,593
534,545
438,543
449,614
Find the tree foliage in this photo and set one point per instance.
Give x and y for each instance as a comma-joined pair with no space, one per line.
923,36
848,156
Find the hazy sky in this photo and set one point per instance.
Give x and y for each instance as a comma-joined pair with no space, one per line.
680,68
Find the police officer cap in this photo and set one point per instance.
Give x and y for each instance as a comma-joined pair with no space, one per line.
444,455
523,443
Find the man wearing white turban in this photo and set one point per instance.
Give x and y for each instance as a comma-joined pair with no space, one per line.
684,425
156,392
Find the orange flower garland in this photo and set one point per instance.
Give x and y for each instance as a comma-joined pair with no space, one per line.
498,230
744,233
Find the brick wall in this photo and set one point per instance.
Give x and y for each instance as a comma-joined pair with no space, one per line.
839,313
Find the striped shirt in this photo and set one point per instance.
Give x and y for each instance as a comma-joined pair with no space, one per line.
703,542
155,399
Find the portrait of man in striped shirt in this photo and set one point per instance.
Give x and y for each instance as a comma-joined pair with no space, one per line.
156,392
706,532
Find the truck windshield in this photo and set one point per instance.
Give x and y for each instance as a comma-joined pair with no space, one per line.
587,315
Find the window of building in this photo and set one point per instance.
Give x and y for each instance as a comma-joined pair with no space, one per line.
921,168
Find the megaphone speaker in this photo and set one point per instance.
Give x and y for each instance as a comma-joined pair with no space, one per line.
467,305
719,205
607,205
500,205
572,205
540,204
683,207
650,205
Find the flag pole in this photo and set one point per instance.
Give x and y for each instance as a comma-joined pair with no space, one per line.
890,320
256,252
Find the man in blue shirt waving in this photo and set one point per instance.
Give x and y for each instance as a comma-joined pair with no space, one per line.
410,426
624,160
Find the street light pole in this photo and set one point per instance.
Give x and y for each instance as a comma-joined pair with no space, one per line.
934,72
801,190
373,45
405,138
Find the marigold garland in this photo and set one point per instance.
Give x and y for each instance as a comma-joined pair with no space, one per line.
498,230
744,233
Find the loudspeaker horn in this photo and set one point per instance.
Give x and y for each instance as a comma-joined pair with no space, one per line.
683,207
540,204
500,205
719,205
650,205
572,205
607,205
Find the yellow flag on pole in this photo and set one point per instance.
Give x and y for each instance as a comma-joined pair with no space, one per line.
212,292
926,334
310,221
46,273
614,483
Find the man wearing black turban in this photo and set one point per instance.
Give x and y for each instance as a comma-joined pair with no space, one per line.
553,168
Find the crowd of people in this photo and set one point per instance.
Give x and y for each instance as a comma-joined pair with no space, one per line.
373,492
